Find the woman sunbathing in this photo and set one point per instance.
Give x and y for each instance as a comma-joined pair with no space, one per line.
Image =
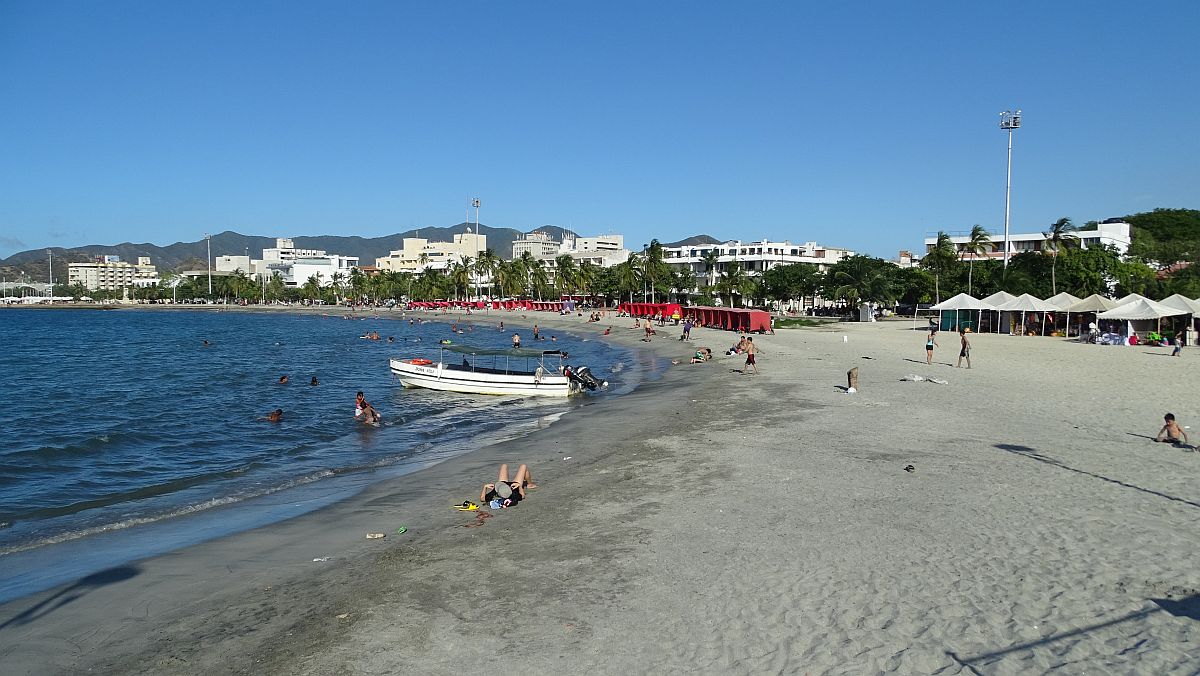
505,493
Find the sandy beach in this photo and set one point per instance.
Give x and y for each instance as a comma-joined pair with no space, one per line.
715,522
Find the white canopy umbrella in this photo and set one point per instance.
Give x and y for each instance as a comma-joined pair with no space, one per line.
1131,298
996,300
1093,303
961,302
1182,302
1062,300
1140,309
1028,303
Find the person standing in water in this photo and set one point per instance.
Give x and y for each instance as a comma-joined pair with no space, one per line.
364,411
965,351
930,343
516,340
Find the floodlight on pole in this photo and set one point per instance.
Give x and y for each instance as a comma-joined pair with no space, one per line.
1009,121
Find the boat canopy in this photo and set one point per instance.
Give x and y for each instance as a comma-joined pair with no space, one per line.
500,351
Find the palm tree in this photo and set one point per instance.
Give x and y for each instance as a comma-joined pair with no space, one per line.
711,259
629,277
939,259
312,287
564,273
586,276
337,280
1061,235
539,278
654,267
460,276
859,279
485,265
734,280
979,243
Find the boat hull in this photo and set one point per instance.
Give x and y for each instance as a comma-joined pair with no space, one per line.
438,376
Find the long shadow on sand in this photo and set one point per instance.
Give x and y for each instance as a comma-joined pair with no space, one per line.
1034,455
72,592
1188,607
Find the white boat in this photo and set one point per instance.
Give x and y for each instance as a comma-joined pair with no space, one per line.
516,371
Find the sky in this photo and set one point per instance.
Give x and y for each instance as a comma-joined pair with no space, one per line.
865,125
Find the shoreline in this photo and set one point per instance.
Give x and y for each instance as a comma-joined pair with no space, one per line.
189,526
718,523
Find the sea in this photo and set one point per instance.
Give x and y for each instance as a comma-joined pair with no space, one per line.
129,433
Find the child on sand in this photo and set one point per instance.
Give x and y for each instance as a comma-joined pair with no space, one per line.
1171,431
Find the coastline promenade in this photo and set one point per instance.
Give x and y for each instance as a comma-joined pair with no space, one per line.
714,522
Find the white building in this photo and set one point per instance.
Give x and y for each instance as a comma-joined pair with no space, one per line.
416,253
754,257
539,244
1113,231
110,273
324,267
234,264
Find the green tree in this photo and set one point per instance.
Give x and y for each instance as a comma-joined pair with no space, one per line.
312,287
979,243
711,260
791,282
860,279
734,280
941,260
564,273
485,265
1060,235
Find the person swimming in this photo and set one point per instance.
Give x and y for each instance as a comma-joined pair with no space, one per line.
283,380
275,416
314,382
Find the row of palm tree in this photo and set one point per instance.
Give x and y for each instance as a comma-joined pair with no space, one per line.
1060,236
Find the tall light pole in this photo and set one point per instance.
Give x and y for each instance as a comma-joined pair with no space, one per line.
1009,121
475,203
208,241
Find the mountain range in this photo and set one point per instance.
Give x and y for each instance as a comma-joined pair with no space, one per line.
185,255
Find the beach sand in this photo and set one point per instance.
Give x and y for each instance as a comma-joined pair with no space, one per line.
715,522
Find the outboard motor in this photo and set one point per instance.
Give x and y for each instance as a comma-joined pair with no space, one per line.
583,376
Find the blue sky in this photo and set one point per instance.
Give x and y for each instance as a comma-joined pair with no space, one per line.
862,125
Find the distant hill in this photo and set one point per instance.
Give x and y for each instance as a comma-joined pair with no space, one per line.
170,257
696,240
185,255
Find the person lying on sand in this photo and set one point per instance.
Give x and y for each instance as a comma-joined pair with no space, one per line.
505,493
1171,431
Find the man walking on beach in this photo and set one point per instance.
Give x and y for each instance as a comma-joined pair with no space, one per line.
751,351
687,330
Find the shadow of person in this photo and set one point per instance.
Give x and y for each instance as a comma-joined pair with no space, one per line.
72,592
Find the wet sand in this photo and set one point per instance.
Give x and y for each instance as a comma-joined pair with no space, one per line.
715,522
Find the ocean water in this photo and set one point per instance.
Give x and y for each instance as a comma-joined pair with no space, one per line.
121,428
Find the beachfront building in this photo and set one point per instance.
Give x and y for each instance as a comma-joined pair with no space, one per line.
754,257
1113,231
233,264
538,244
326,269
416,253
110,273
